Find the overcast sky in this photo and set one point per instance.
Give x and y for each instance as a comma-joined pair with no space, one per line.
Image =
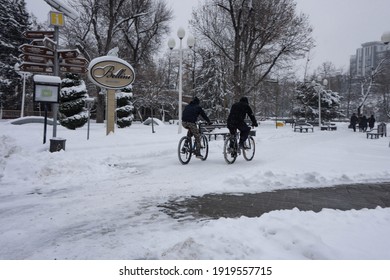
340,26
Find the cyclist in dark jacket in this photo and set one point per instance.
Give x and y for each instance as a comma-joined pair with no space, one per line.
190,116
236,120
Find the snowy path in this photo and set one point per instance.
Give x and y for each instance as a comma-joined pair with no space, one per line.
99,199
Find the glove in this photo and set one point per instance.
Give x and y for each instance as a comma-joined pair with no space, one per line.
255,124
209,123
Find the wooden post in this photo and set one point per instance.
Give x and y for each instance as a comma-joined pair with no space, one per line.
110,113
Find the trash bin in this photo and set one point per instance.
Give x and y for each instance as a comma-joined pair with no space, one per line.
57,144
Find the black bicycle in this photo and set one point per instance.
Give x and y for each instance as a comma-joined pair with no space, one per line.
231,150
187,147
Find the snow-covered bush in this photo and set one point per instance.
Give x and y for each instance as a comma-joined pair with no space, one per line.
72,113
125,108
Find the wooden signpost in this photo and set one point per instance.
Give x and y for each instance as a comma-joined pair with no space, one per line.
73,69
68,53
36,68
31,58
39,56
38,34
49,43
37,42
80,61
38,50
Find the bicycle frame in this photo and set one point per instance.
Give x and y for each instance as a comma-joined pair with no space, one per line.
231,148
187,147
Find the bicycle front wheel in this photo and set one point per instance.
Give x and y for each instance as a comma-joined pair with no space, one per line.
204,149
184,150
250,152
230,153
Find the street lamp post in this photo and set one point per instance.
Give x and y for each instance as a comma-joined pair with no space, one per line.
171,44
386,37
24,74
23,94
318,89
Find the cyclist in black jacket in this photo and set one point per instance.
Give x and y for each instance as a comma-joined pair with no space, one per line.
236,120
190,116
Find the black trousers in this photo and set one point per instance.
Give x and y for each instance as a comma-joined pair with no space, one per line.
242,127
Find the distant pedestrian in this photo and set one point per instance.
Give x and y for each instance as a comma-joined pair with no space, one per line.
354,121
363,123
371,122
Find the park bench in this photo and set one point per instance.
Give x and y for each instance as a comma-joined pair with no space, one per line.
328,126
31,119
290,121
379,131
303,126
218,129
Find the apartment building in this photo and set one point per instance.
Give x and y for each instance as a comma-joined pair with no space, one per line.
367,58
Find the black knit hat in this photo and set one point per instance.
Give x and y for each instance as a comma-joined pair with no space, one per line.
244,99
196,100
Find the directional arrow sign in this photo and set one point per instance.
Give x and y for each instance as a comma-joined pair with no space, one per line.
50,44
79,61
36,67
37,59
73,69
38,34
37,50
37,42
68,53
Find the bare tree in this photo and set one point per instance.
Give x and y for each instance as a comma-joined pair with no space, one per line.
137,26
383,102
103,24
143,33
255,35
369,82
326,70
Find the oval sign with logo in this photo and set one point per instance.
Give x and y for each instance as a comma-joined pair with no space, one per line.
111,72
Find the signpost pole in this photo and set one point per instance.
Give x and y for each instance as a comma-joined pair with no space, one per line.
45,125
56,73
89,121
23,94
111,106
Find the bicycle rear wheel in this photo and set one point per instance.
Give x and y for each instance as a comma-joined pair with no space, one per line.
250,152
204,149
230,153
184,150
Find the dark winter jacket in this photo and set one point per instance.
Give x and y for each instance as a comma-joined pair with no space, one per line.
238,113
363,122
371,121
192,111
354,119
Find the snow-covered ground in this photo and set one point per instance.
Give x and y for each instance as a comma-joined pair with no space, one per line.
99,198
